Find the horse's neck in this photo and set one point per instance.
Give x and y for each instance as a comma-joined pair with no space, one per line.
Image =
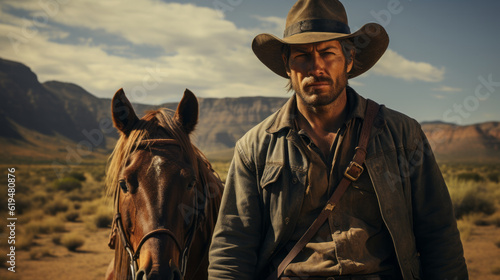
198,258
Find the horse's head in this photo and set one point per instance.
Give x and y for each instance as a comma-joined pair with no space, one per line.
153,175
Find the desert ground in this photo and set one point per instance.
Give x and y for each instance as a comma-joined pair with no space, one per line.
63,224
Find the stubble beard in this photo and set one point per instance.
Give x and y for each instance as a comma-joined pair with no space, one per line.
315,99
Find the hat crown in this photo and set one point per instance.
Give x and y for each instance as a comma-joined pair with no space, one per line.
317,9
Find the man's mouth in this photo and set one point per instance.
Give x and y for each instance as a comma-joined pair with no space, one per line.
315,82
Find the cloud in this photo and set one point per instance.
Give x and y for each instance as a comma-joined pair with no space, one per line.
95,43
273,25
356,83
395,65
439,96
153,49
447,89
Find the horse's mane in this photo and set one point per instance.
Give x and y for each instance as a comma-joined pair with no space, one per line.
155,124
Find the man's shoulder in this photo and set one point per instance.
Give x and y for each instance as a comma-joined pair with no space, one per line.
396,118
399,129
258,134
392,118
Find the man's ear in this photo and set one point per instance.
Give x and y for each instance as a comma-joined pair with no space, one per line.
350,64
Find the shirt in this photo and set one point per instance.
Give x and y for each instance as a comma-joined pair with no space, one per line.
355,239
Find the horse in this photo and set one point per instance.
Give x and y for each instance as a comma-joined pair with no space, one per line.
166,194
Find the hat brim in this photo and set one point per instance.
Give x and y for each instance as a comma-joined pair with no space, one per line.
371,42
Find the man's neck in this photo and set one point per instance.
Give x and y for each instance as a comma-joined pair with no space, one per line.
324,119
322,123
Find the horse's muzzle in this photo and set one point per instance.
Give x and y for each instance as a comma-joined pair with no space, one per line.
168,273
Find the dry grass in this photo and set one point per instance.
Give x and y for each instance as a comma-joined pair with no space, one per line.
471,197
38,253
87,210
221,167
72,241
466,229
46,226
496,270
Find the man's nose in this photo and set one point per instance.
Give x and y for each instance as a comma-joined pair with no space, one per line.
316,65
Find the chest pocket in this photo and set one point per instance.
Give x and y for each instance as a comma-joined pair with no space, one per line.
271,175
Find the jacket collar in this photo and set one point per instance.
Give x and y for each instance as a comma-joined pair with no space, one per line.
285,117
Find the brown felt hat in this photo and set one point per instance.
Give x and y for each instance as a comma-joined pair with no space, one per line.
313,21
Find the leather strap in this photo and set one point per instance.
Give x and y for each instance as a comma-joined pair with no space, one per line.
351,174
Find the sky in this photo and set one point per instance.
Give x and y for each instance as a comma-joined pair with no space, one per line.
442,63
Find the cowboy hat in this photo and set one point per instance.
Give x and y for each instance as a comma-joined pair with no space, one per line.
313,21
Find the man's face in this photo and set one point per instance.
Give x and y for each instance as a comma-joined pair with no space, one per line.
318,72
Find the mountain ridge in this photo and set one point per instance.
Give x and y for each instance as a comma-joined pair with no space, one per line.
55,119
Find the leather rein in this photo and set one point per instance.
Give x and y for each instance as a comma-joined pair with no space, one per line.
134,254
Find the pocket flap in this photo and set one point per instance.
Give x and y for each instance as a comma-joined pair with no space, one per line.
270,174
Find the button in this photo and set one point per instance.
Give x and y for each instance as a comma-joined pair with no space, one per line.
294,180
287,220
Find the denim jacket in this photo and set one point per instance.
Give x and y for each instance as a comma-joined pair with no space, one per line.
267,179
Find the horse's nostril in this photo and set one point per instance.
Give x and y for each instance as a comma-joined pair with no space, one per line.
176,273
141,275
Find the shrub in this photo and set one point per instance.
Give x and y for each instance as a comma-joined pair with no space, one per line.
55,206
77,175
67,184
72,216
33,215
468,197
24,240
103,219
56,239
494,219
39,253
45,226
3,260
91,207
470,176
23,203
465,228
496,270
72,241
39,198
98,174
494,177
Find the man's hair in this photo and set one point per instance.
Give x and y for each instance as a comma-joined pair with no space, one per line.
348,49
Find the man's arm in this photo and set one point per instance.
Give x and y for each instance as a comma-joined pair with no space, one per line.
437,237
237,234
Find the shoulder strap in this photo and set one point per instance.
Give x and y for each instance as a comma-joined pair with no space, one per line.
351,174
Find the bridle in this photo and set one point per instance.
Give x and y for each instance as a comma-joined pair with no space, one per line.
134,254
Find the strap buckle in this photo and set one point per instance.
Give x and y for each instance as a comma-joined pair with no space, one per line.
353,171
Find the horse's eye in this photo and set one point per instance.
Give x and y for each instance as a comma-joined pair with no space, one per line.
123,186
192,184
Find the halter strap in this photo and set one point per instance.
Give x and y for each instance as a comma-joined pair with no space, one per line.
153,232
158,142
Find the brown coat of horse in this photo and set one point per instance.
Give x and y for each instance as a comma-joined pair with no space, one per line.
166,194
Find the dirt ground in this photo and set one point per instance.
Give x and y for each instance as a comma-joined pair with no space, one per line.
91,261
482,253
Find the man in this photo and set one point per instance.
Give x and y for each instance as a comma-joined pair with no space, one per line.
394,220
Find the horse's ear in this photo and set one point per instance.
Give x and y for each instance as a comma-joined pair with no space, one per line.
187,111
124,117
